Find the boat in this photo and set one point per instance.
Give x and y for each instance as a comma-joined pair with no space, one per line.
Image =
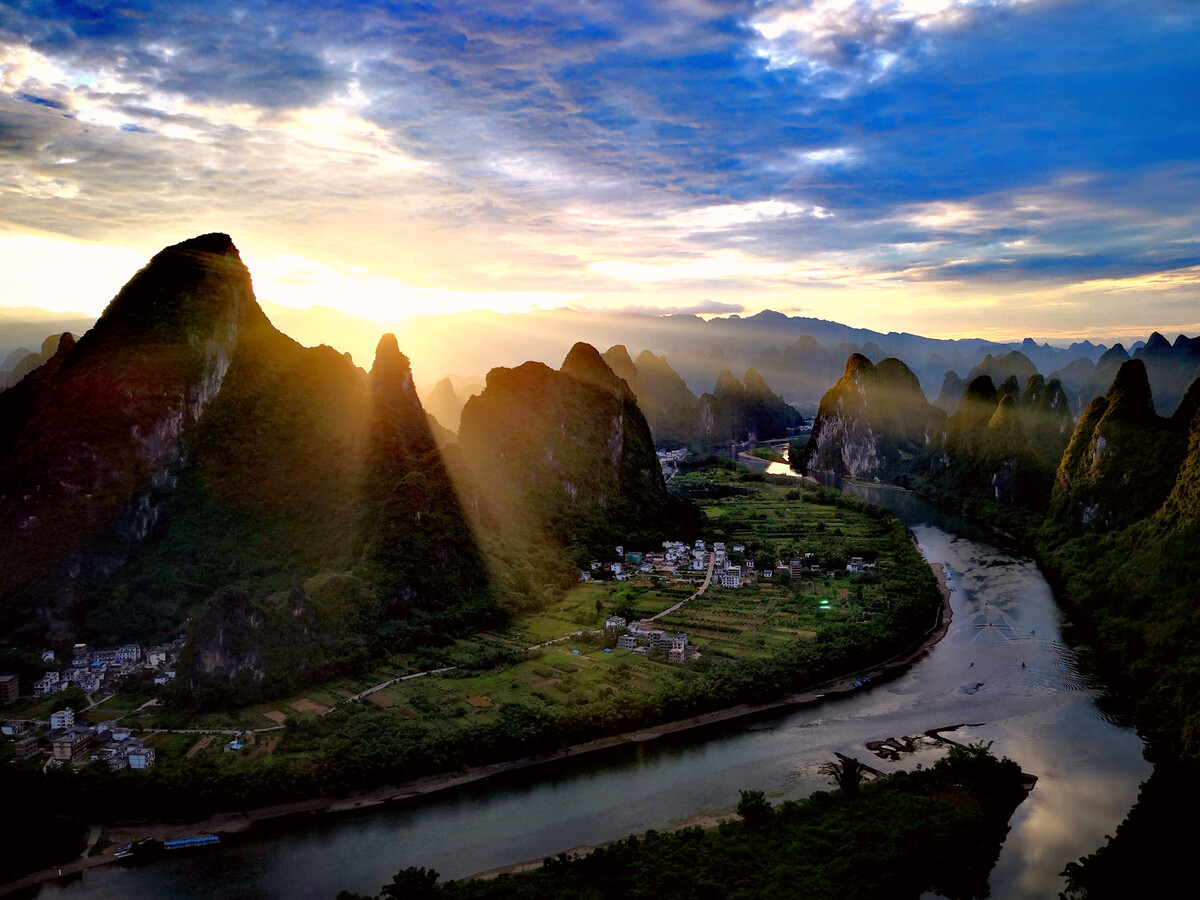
192,843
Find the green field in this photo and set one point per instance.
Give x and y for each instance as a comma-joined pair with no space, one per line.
555,677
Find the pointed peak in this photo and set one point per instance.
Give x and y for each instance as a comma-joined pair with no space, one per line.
981,389
858,364
1116,352
388,353
584,363
215,242
65,342
1156,344
754,382
618,352
1130,391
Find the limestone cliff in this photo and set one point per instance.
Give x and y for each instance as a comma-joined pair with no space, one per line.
874,423
97,443
565,456
185,459
1122,458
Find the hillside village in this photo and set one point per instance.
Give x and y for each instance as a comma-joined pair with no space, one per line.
679,563
65,736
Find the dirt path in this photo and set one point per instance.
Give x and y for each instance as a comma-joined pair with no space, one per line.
199,745
712,562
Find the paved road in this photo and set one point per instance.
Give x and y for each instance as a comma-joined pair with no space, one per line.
712,561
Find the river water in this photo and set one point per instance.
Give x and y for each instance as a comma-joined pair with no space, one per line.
1003,664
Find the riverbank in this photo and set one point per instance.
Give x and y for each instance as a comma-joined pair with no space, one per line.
265,819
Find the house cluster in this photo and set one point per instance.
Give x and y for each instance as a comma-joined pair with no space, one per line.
76,743
642,637
797,567
677,559
669,460
93,670
634,563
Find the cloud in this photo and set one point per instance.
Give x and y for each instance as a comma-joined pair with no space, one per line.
703,308
700,145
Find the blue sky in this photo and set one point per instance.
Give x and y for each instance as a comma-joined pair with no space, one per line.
1000,167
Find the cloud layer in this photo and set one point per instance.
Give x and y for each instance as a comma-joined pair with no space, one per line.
846,156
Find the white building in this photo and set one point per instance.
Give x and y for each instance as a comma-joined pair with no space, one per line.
64,718
142,758
129,653
50,683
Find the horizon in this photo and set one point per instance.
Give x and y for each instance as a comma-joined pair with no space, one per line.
947,168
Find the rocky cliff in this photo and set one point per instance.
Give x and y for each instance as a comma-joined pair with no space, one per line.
186,459
565,456
95,443
873,423
1122,458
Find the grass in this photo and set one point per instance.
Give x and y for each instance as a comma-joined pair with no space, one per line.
774,519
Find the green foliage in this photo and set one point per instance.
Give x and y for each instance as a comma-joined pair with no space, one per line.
938,830
848,774
754,808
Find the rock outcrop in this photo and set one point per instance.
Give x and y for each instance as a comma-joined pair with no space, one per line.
566,455
187,459
1122,458
874,423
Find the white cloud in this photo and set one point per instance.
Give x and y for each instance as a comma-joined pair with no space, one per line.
861,38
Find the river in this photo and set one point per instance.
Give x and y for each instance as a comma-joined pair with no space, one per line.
1003,663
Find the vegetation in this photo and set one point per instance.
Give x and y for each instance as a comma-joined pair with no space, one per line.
503,701
934,830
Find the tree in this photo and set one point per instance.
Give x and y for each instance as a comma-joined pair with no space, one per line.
413,883
754,808
848,774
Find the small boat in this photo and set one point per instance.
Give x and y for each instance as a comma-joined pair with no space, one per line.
204,840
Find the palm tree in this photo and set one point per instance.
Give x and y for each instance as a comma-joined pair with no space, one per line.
848,774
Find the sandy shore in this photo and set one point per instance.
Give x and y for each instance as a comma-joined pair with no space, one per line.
289,814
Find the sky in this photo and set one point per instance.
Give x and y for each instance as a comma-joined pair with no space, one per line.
947,167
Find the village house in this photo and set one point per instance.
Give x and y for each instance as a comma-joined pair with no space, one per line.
615,622
72,746
25,748
9,689
141,758
731,577
48,684
64,718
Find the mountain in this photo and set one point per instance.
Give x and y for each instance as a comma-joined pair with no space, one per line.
737,411
1170,368
623,366
671,409
564,458
1003,444
24,327
874,423
1013,364
21,362
186,459
444,404
951,393
1122,457
1073,376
